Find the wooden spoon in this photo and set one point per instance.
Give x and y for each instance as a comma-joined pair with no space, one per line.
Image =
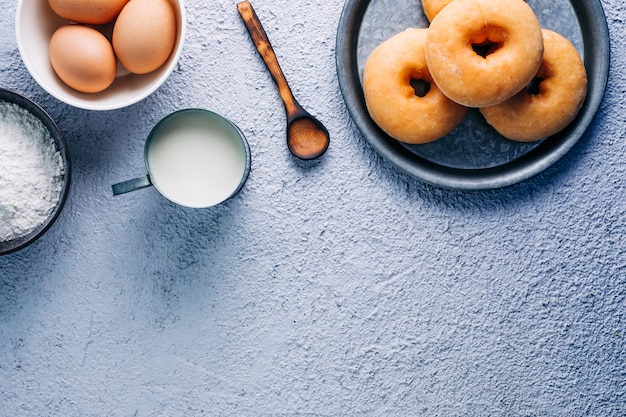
307,138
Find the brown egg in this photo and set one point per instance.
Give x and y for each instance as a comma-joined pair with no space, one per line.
94,12
83,58
144,35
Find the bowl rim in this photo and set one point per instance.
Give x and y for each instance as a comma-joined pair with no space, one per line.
36,110
86,105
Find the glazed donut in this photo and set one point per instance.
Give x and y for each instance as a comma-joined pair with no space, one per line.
433,7
550,102
400,94
482,52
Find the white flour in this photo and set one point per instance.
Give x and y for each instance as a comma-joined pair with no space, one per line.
31,172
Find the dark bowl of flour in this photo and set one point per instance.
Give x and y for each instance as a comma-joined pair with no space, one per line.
34,171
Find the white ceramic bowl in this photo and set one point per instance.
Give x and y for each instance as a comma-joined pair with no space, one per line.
35,23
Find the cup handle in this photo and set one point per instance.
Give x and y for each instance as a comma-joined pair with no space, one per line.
131,185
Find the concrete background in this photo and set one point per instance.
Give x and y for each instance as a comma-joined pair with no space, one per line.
332,288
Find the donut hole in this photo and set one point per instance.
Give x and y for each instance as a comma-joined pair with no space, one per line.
485,48
420,85
487,41
533,87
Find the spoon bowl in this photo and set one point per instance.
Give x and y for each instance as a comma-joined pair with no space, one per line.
307,137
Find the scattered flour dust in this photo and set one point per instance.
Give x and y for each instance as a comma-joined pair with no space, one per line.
31,172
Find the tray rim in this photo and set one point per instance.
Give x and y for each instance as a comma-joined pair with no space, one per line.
596,43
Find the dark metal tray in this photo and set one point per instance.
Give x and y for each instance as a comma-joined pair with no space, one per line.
473,156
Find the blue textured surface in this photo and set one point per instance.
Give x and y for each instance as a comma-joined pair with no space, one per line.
333,288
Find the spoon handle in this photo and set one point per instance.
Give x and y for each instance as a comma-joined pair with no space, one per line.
263,46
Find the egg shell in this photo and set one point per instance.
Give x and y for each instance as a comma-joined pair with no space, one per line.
93,12
83,58
144,35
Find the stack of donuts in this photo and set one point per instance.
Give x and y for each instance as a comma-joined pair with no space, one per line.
529,83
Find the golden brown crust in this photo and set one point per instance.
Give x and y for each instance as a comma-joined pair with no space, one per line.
467,77
433,7
392,101
562,88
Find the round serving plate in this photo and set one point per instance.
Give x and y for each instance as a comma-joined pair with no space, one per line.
474,156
